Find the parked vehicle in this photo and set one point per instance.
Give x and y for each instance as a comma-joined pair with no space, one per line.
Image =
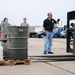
33,34
63,34
56,32
40,34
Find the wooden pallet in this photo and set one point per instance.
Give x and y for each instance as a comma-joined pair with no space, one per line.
2,62
13,62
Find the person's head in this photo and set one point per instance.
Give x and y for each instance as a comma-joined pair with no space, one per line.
24,20
5,20
49,15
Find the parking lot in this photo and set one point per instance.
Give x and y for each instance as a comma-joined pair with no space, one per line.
60,63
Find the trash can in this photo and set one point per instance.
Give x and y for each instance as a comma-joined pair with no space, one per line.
17,43
74,42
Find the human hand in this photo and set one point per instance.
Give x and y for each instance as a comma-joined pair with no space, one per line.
44,33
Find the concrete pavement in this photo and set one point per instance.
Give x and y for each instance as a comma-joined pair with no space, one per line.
43,64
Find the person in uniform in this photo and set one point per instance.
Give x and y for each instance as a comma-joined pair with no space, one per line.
4,32
4,29
48,25
25,24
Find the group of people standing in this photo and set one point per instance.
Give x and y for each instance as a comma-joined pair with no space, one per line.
48,25
5,24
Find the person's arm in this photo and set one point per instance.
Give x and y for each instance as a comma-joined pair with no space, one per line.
28,28
9,24
2,29
44,24
56,22
44,31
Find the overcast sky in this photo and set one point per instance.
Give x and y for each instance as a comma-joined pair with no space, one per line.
34,10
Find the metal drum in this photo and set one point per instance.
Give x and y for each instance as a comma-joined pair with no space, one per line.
17,43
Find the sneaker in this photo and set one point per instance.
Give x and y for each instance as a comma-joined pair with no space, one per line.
50,52
44,52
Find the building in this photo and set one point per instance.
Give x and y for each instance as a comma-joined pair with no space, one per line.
31,28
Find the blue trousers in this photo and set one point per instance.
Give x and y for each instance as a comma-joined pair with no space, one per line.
48,41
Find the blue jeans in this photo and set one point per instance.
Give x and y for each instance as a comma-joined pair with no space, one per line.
48,41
